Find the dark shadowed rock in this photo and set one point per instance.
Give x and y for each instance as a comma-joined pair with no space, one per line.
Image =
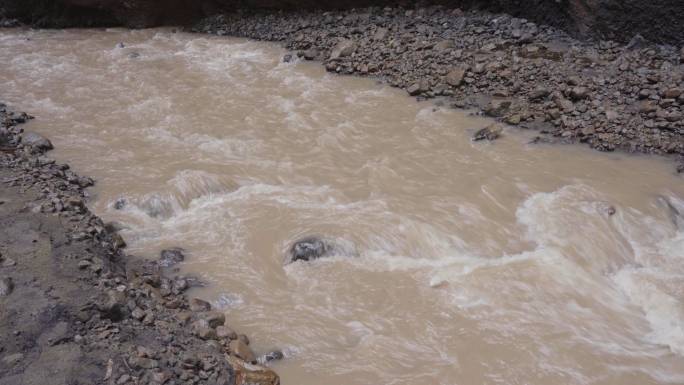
490,132
637,42
38,141
275,355
308,249
113,305
172,256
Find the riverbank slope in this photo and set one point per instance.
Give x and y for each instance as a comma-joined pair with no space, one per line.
606,94
75,309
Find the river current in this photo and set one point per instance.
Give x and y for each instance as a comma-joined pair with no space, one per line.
460,262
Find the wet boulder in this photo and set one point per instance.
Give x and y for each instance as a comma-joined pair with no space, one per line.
272,356
309,248
241,350
490,133
37,141
171,256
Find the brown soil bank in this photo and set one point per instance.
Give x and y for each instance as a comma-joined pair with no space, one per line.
659,21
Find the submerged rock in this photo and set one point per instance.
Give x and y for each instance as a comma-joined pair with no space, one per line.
275,355
490,133
172,256
241,350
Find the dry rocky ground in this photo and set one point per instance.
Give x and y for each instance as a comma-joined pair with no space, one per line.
532,76
75,310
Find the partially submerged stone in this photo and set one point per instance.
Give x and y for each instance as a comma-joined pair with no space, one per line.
247,373
308,249
241,350
490,132
37,141
171,256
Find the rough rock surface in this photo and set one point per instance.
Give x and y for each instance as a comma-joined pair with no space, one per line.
75,310
655,20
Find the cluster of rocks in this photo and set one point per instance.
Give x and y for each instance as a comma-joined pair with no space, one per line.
117,320
532,76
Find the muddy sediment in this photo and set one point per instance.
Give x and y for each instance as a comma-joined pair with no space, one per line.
75,309
602,93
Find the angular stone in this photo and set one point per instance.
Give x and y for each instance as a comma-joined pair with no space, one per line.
138,313
673,93
380,34
445,45
637,42
241,350
213,318
513,120
497,108
118,239
6,286
208,334
343,49
455,78
414,89
246,373
538,94
140,363
198,305
490,133
224,332
578,93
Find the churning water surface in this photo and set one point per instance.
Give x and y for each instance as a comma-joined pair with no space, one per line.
463,262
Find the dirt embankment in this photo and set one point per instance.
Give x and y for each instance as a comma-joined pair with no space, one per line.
75,310
659,21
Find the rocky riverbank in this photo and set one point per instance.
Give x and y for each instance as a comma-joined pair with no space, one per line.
74,309
608,95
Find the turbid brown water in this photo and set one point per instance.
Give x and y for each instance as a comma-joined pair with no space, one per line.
460,262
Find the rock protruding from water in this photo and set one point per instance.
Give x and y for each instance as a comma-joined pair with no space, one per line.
309,248
313,247
38,141
171,256
490,132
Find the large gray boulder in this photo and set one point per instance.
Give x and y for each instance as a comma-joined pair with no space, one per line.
37,141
